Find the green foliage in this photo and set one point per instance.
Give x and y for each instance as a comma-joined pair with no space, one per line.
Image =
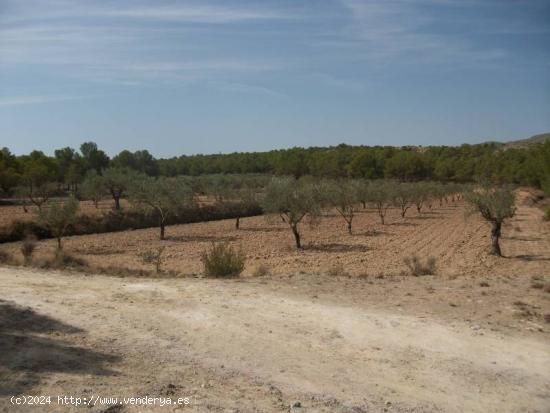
547,214
495,204
117,181
403,196
37,193
223,261
93,187
466,163
93,157
381,194
293,200
140,161
344,197
58,216
160,196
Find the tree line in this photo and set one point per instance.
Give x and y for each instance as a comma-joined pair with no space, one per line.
69,168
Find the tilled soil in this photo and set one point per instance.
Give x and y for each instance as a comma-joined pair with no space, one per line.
459,242
471,338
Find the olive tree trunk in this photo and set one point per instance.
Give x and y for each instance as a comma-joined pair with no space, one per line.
296,235
495,237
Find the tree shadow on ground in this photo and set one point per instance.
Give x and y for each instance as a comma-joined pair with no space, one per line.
427,215
523,238
530,257
31,347
267,229
199,238
334,247
404,224
370,233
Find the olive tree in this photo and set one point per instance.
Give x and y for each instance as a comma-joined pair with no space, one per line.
362,187
246,198
343,196
381,195
58,216
117,181
495,204
293,200
403,196
38,194
160,196
420,194
93,187
233,190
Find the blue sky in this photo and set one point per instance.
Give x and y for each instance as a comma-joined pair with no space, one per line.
184,77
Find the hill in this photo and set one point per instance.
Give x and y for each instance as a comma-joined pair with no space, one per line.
524,143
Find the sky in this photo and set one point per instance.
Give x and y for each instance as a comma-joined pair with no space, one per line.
185,77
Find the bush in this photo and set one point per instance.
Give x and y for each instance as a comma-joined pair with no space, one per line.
547,214
153,257
63,259
5,257
337,270
27,247
417,267
261,270
222,261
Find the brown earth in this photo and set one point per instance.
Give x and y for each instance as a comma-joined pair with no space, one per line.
472,338
459,243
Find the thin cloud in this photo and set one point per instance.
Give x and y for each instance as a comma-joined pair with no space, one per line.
250,89
402,28
36,100
195,14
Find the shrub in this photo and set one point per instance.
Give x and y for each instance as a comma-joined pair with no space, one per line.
222,261
153,257
63,259
261,270
547,214
337,270
417,267
5,257
57,217
27,247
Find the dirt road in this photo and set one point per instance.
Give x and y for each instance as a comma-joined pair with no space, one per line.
245,345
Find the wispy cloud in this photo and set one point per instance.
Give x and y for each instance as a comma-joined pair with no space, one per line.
409,29
194,14
34,100
127,44
243,88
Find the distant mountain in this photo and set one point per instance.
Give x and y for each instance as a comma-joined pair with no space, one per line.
524,143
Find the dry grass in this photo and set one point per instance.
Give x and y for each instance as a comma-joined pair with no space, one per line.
337,270
261,270
223,261
6,257
417,267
